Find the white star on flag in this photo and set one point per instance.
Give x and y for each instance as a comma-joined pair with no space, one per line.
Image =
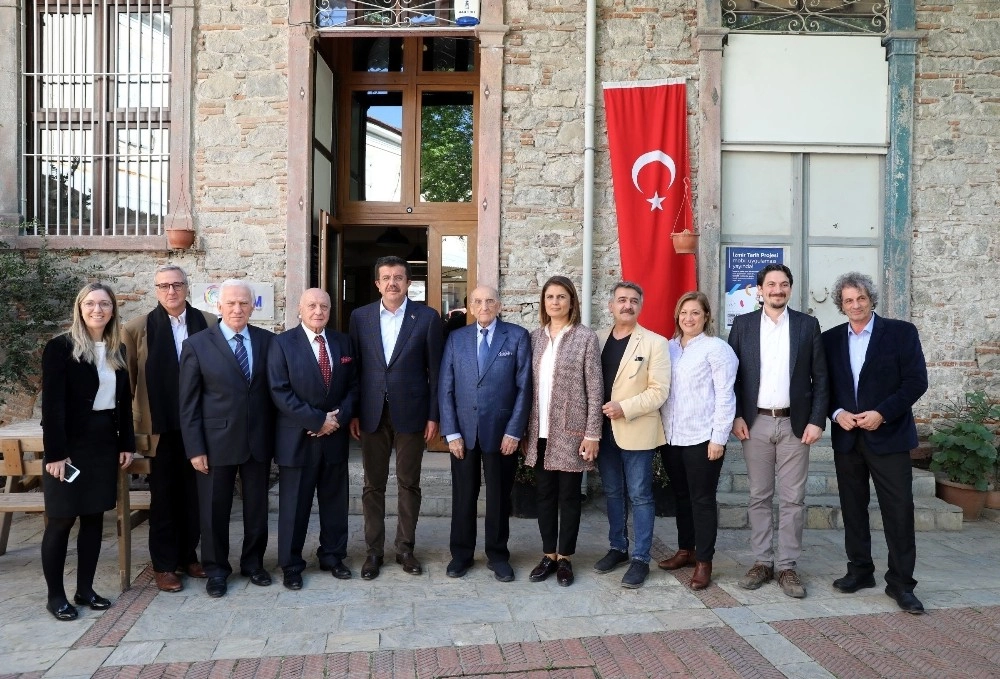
656,202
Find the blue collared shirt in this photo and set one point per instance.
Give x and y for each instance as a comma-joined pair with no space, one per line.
857,348
229,334
390,323
490,334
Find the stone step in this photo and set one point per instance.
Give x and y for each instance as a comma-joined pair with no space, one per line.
822,479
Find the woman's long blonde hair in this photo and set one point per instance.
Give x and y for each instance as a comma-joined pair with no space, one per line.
84,349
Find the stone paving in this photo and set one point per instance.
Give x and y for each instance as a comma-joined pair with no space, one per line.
433,626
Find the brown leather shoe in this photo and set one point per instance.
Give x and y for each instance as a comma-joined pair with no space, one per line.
409,563
702,575
680,559
168,582
195,570
371,567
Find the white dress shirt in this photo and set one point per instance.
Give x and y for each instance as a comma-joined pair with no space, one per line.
178,326
546,375
775,362
391,322
311,336
105,397
702,404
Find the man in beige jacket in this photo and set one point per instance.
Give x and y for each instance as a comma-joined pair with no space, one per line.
636,365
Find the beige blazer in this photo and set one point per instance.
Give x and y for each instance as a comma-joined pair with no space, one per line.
641,386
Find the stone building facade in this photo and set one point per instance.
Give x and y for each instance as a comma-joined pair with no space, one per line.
245,131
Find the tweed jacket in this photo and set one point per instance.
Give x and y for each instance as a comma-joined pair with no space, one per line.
577,397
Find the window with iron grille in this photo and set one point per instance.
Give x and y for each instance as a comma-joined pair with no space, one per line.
97,87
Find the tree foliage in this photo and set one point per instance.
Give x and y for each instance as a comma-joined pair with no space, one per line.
446,153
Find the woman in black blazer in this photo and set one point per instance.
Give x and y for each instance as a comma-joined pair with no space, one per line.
86,422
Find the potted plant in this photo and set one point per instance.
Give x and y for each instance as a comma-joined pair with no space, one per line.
523,497
663,494
965,454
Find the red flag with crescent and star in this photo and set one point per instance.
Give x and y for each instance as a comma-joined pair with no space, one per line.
651,173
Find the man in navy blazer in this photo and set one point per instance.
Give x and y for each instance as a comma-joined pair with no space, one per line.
315,388
227,423
485,396
781,395
877,373
397,344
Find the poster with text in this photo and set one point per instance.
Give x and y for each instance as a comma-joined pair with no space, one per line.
742,265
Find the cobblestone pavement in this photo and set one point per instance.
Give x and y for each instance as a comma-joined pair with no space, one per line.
433,626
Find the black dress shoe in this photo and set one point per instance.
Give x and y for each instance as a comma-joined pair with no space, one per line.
850,583
409,563
371,568
216,587
95,601
564,573
339,570
543,570
906,601
457,568
292,581
258,576
501,571
61,610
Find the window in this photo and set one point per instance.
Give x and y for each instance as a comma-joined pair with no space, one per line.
98,89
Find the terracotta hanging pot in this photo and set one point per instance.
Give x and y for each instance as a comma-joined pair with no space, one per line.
685,242
180,239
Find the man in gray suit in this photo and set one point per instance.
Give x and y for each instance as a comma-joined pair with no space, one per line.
781,397
485,397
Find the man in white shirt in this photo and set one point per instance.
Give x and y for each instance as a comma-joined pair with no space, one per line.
153,348
781,398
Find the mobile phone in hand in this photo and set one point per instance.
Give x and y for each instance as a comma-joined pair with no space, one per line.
70,473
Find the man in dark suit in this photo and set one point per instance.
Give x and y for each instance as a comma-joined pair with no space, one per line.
781,396
485,397
315,388
153,344
397,344
877,373
227,421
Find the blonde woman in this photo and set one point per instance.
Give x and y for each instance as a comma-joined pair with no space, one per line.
86,425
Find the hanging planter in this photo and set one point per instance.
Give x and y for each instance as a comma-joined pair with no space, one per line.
180,239
685,242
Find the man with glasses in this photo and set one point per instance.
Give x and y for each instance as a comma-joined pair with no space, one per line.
485,396
153,346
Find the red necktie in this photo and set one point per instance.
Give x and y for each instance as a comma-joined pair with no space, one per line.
324,362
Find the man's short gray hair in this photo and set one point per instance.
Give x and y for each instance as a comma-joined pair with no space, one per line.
854,279
164,268
235,283
629,285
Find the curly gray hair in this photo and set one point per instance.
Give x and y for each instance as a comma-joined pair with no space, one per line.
854,279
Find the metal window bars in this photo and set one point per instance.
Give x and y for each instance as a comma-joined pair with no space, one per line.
97,87
807,16
385,13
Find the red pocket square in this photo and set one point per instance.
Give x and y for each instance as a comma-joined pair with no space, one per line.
345,359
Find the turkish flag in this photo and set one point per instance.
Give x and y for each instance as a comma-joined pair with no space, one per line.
651,172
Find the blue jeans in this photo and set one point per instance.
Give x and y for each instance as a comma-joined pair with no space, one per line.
631,469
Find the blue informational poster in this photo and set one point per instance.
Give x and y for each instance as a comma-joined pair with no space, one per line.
742,265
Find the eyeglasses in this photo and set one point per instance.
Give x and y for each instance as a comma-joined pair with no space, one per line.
171,286
89,305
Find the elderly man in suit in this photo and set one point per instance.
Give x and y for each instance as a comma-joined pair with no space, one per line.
877,373
397,344
636,368
485,396
227,420
315,388
781,396
153,344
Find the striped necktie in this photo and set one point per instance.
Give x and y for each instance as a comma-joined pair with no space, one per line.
241,356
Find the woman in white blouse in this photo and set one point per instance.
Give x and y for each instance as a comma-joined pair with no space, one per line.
697,418
86,424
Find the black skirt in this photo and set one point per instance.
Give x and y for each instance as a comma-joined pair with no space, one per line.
94,453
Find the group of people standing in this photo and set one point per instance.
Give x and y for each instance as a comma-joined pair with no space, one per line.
221,398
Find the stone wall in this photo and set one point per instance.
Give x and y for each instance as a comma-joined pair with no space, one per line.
956,180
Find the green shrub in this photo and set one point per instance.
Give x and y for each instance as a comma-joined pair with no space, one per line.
965,447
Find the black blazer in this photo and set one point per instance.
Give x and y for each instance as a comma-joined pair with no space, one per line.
68,391
221,415
892,379
302,399
410,379
808,387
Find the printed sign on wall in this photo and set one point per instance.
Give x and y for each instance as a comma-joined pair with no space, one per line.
742,265
205,296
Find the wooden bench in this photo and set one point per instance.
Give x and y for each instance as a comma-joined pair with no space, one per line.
23,466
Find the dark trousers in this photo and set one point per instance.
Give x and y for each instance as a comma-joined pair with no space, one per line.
465,483
55,543
694,479
376,449
559,506
893,478
173,509
215,499
296,487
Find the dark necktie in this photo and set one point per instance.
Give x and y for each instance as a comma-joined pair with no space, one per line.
241,356
484,349
324,361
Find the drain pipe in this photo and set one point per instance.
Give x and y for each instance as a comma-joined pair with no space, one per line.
587,292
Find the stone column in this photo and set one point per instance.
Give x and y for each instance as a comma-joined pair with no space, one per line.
10,113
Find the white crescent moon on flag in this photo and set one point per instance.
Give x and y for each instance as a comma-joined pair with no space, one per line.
653,157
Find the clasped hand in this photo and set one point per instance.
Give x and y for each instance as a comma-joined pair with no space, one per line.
330,425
